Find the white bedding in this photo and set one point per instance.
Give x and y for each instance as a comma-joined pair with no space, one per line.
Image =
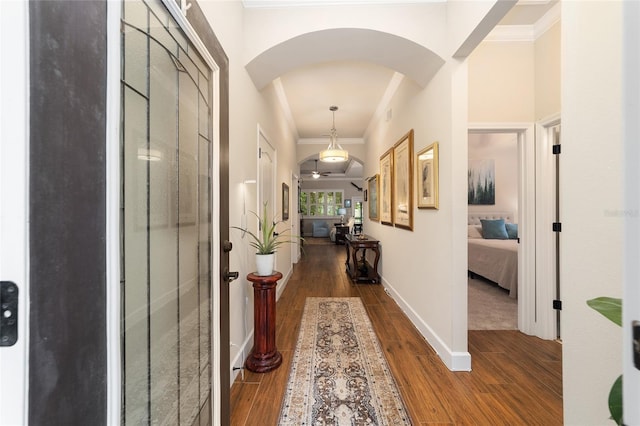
496,260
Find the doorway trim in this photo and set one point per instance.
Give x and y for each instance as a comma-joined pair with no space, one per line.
14,168
545,237
526,217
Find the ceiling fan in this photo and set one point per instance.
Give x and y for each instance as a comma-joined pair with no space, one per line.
316,174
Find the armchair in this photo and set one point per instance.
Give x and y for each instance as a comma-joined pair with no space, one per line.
320,229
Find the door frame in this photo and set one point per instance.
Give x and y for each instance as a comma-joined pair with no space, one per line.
545,237
526,217
113,160
14,209
261,135
294,216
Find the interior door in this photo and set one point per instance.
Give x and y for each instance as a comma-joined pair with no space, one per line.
167,260
266,177
13,210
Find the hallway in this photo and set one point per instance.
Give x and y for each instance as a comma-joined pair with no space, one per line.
516,379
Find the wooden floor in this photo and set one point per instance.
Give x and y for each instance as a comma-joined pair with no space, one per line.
516,379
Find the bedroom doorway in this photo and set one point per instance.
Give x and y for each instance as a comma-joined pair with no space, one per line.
536,249
493,195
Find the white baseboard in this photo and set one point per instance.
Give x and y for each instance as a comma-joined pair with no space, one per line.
238,360
455,361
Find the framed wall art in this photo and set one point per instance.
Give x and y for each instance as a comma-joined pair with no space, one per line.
427,177
482,182
372,195
285,201
386,187
402,200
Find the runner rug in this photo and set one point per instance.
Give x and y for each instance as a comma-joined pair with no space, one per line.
339,375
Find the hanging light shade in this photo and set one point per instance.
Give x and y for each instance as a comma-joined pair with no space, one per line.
334,152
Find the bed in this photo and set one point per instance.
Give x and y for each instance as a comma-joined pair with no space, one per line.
491,258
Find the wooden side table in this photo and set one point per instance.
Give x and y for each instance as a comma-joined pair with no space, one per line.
359,270
341,231
264,356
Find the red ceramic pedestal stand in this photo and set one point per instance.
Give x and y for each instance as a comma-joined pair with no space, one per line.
264,356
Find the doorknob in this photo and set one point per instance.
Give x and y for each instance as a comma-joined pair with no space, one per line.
227,246
230,276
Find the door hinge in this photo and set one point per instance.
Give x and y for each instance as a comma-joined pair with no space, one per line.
557,227
556,149
557,304
259,152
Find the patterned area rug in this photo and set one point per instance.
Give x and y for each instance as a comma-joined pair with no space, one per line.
339,375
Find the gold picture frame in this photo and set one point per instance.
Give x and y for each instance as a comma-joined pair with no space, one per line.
427,177
403,182
385,188
371,196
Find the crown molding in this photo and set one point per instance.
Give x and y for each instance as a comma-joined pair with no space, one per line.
526,32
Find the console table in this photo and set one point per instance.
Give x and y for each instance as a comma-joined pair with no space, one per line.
359,270
341,231
264,356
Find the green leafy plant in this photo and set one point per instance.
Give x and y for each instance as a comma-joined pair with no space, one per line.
268,240
611,308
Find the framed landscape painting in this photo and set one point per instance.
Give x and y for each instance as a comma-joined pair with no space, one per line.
386,188
371,196
403,182
482,182
427,177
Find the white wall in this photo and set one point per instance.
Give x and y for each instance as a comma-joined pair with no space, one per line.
591,204
248,109
428,286
502,82
547,73
503,149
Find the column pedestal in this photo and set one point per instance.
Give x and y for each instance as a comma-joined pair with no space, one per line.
264,356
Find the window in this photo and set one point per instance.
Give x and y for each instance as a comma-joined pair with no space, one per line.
324,202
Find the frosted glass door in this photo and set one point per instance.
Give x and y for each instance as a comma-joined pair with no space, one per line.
166,244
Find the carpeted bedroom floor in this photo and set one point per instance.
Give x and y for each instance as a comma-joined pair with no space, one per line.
490,307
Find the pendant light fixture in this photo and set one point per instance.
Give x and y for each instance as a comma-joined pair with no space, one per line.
334,152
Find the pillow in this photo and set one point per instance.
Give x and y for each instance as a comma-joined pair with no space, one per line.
512,230
475,231
494,229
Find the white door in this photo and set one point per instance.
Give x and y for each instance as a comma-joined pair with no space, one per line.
266,176
293,217
14,154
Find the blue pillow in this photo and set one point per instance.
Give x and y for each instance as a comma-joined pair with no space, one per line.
494,229
512,230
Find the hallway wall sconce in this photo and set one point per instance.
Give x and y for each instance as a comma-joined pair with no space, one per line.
334,152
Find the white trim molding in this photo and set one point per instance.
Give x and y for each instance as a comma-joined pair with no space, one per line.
454,361
527,307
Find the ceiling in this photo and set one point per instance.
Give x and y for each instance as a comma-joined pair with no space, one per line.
357,88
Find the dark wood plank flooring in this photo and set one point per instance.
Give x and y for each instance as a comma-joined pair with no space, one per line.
516,379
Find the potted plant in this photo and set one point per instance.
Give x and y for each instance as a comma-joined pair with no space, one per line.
267,241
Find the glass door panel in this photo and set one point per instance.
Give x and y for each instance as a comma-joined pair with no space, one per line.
166,283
